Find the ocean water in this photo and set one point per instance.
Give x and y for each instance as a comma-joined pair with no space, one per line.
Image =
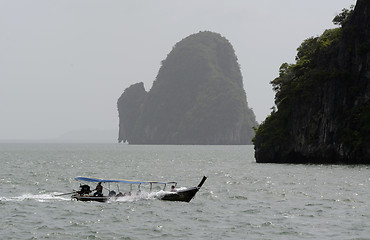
240,199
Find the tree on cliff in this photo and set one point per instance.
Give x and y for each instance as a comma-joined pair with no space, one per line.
342,17
323,103
197,98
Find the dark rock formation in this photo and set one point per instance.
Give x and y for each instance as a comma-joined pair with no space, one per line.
197,98
129,105
323,100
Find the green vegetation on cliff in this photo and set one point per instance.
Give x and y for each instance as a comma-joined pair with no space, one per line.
295,87
322,100
197,98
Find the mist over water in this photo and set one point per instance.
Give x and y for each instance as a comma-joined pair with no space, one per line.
240,199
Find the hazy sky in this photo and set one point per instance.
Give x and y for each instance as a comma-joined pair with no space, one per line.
64,63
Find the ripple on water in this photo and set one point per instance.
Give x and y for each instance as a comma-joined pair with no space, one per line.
250,201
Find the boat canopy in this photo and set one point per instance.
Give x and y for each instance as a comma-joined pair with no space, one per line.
92,179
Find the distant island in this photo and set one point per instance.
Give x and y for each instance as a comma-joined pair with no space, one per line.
322,112
197,98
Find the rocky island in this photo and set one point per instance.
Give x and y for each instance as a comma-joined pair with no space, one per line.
197,98
322,112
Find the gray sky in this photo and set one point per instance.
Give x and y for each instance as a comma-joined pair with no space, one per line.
64,63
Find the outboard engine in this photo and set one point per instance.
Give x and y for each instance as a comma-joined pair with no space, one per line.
85,189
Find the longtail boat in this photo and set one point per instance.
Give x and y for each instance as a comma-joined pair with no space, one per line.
85,192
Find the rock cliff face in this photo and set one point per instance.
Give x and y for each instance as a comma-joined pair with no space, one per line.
323,100
129,110
197,98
